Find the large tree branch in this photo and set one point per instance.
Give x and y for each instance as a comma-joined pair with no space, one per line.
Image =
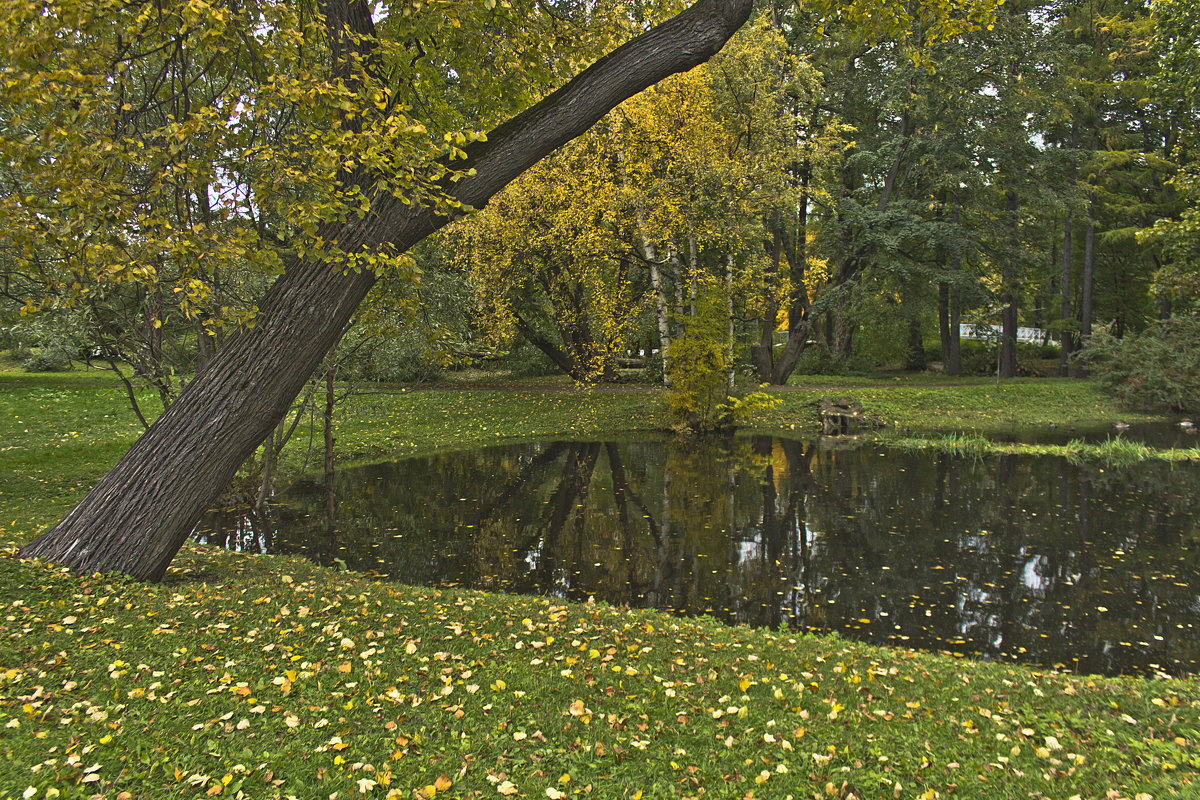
679,44
138,516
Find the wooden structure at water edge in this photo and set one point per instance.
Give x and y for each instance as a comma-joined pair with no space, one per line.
841,416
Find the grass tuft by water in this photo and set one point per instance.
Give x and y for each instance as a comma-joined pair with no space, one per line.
959,444
1113,452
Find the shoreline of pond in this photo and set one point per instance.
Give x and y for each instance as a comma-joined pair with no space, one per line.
63,430
1018,407
771,520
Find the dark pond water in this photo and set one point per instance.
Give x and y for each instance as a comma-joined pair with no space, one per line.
1008,558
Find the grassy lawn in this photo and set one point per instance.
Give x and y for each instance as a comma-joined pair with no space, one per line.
968,404
265,677
58,434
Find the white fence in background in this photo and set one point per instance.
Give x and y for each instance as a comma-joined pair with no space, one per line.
1031,335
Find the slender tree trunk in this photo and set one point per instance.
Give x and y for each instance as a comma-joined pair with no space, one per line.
914,353
676,276
662,312
1064,359
839,326
1007,368
949,307
271,448
797,256
139,515
799,310
954,357
693,272
1089,270
763,353
150,352
205,347
729,370
944,321
843,332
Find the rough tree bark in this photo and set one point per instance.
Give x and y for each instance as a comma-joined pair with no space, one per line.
138,516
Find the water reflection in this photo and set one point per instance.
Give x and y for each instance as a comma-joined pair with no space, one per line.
1011,557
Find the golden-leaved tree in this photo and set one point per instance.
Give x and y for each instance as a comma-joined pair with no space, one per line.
668,194
546,262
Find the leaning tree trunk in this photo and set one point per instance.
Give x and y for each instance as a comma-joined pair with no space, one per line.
140,514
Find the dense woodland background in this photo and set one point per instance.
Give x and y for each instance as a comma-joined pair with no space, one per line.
836,191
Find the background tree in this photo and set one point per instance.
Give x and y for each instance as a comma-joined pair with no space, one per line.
1175,89
545,263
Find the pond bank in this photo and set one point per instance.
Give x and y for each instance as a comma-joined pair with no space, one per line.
62,431
409,421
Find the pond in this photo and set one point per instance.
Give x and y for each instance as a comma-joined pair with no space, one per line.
1006,558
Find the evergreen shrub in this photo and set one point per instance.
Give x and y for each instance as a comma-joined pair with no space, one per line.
1157,369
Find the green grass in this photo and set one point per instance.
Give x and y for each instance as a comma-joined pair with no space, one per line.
1115,452
268,677
404,422
263,677
964,404
58,433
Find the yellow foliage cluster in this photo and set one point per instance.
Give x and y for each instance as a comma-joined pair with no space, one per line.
670,191
189,148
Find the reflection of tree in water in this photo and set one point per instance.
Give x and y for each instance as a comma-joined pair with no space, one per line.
1005,557
241,530
1012,558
